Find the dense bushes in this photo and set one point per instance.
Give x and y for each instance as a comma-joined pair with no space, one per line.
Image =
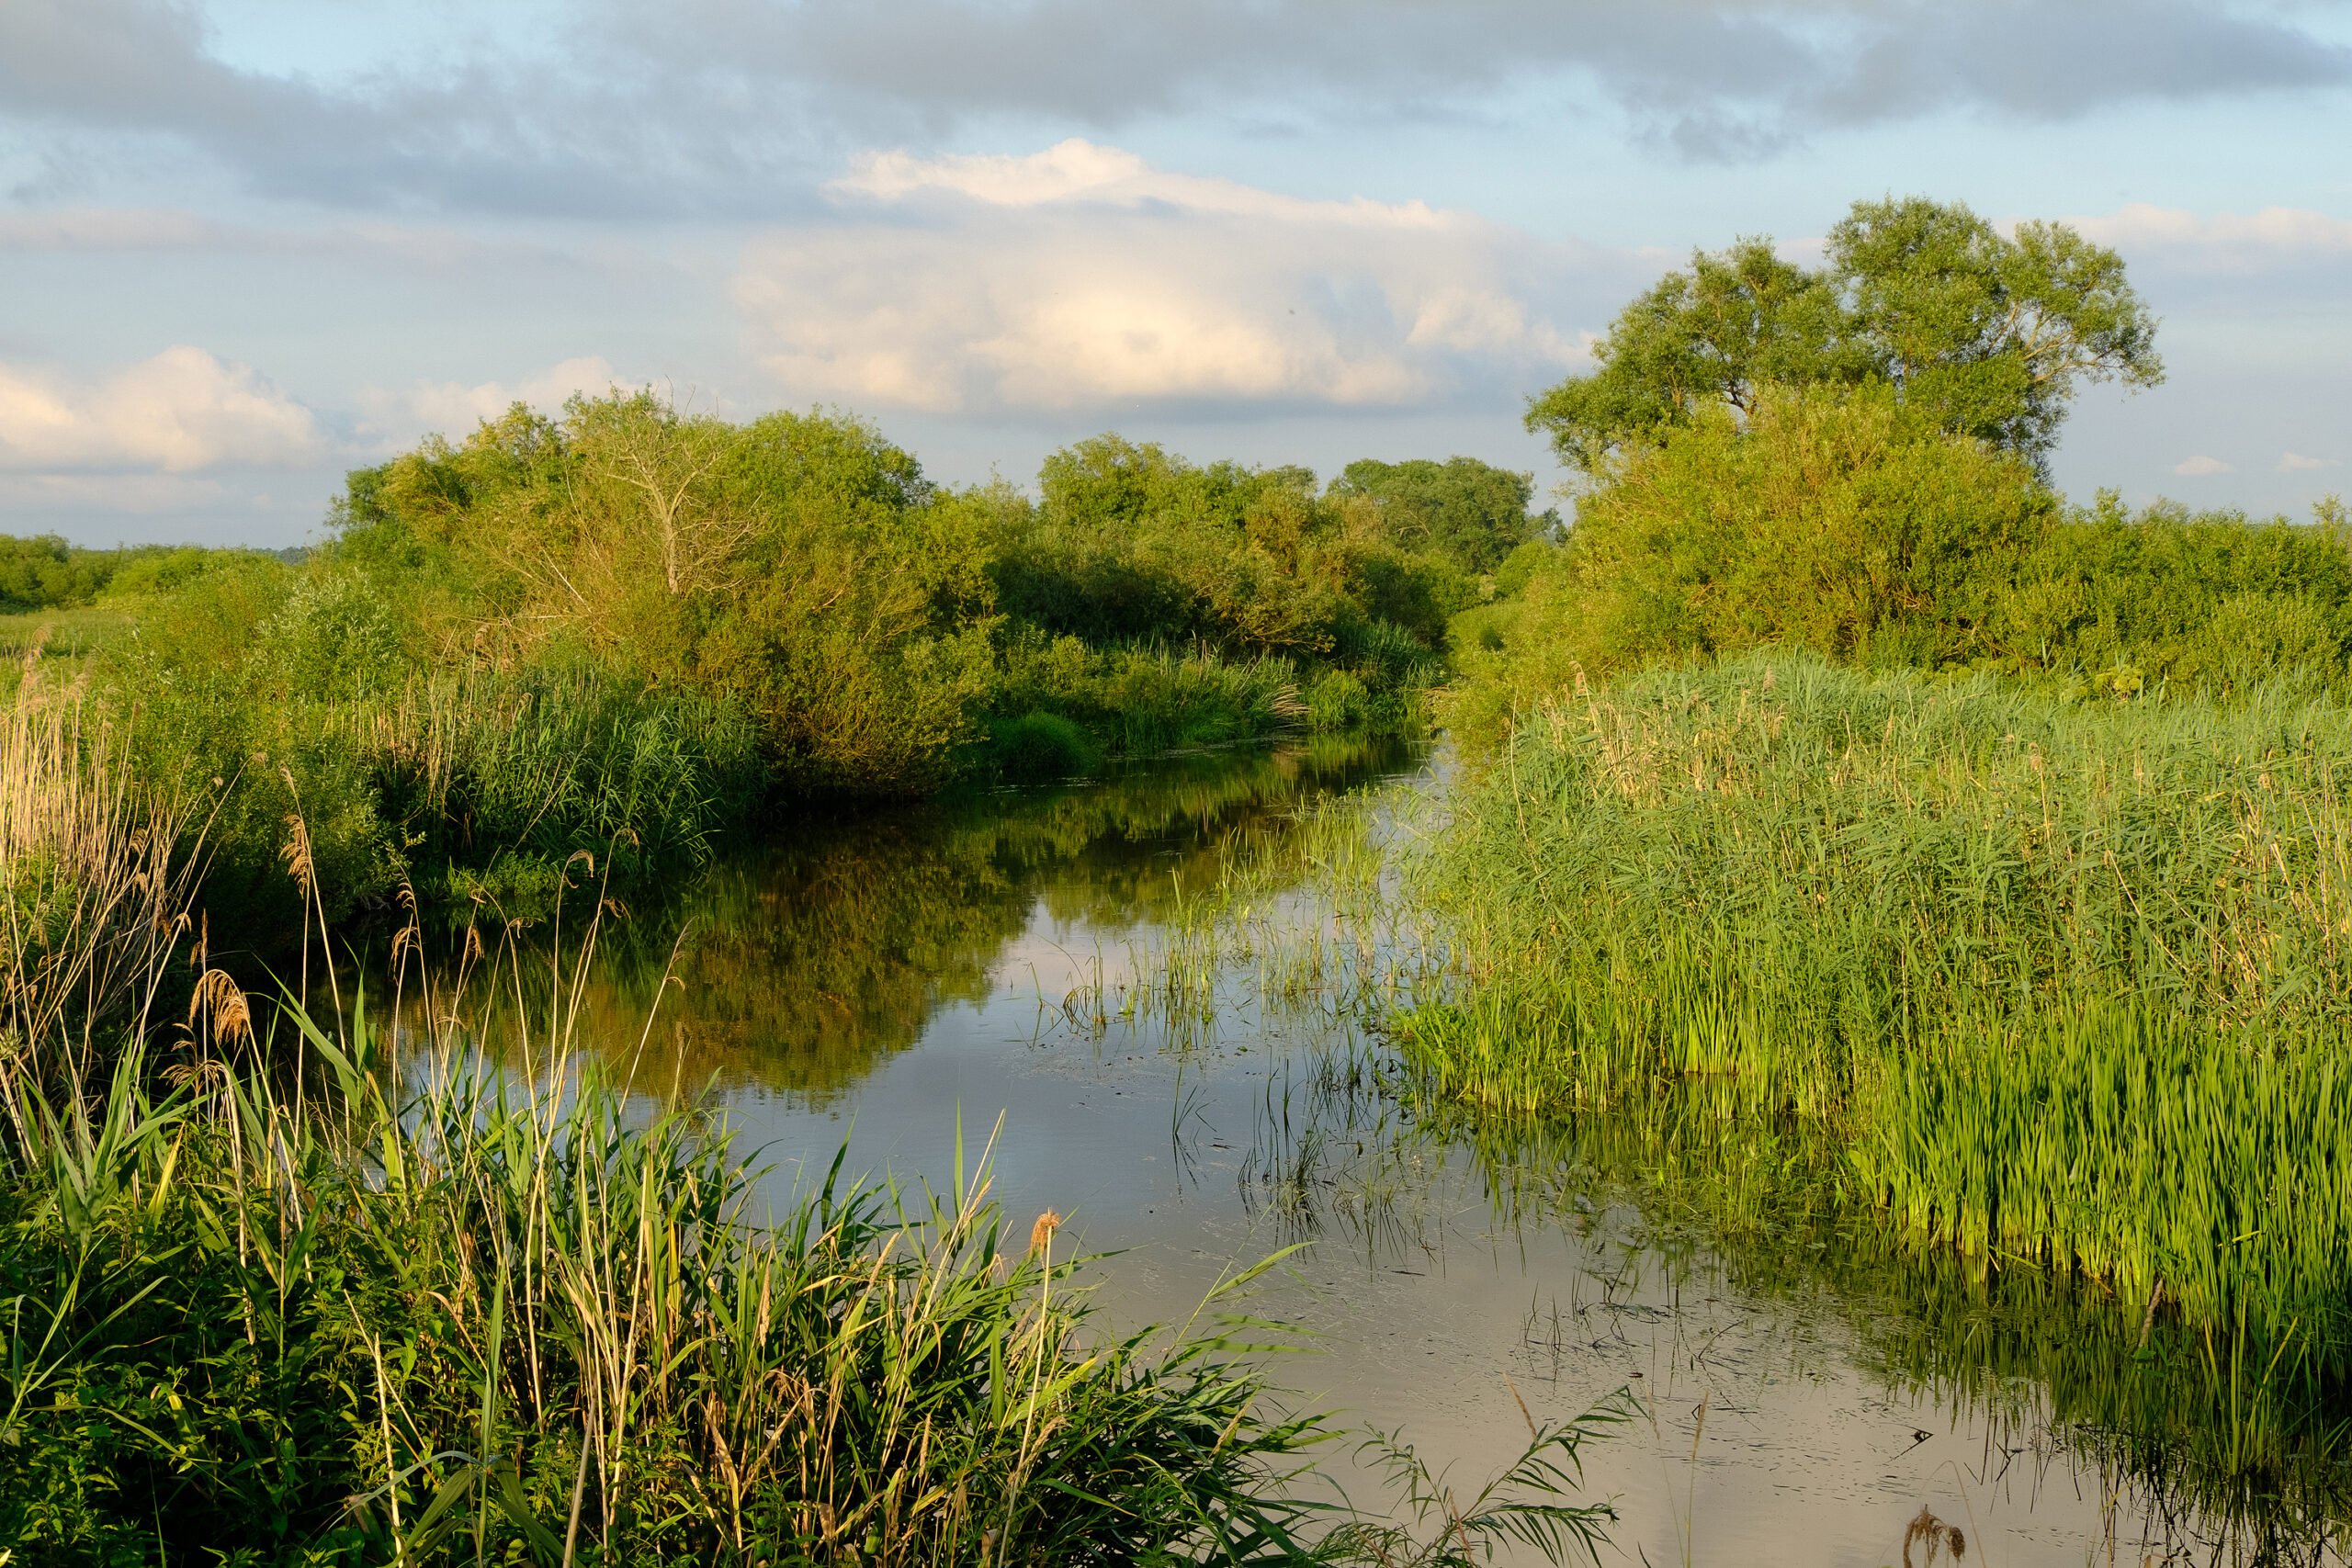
1835,523
1846,524
1131,544
798,567
883,633
45,573
621,630
2173,599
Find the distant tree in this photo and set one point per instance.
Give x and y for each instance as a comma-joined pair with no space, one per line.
44,573
1109,481
1134,543
1986,332
1463,510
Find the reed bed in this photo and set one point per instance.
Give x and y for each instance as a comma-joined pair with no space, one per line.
2065,982
92,887
284,1286
2231,1440
434,1309
537,762
520,1325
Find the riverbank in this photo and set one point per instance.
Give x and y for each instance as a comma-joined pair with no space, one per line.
1166,983
2063,982
631,632
295,1281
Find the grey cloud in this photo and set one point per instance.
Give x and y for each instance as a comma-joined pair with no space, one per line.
733,107
530,137
1106,63
2055,61
1709,77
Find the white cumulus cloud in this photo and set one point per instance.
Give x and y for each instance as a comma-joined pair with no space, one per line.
454,408
2201,465
182,410
2296,463
1081,275
2228,242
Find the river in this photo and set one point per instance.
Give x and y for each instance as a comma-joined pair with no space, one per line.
995,970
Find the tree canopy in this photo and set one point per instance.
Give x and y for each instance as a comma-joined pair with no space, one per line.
1986,333
1464,512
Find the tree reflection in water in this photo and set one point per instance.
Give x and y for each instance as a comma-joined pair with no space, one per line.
807,962
797,964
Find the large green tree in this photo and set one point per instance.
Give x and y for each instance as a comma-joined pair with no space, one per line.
1464,512
798,565
1987,332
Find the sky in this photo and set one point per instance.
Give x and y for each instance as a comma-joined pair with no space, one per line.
248,245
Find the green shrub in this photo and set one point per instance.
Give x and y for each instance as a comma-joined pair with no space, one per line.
1338,699
798,566
1848,524
1135,700
1132,545
1511,577
332,638
1837,523
2212,601
214,621
1041,745
44,572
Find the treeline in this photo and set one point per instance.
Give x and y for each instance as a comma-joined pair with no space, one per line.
1833,774
1845,524
885,634
1852,459
44,572
628,628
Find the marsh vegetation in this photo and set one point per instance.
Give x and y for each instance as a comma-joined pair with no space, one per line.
1854,883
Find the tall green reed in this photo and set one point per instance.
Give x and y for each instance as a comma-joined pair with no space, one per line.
2065,981
452,1309
541,761
286,1285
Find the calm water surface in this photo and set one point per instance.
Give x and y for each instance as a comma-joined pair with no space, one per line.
874,983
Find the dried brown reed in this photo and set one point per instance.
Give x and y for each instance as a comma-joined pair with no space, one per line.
1938,1538
93,886
227,1018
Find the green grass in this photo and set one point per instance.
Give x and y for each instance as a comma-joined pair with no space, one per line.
1123,702
58,642
472,782
2065,982
490,1318
450,1290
